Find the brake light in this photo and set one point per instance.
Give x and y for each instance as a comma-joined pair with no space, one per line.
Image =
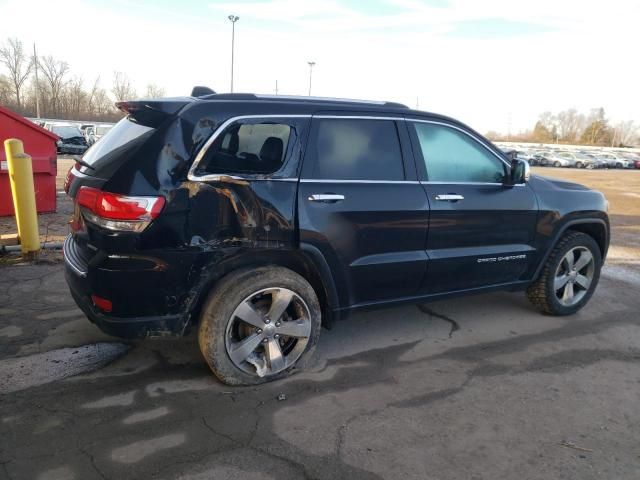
102,303
118,212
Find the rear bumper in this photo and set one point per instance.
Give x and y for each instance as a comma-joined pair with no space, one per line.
77,275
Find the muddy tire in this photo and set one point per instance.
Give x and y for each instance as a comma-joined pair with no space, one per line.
569,276
259,325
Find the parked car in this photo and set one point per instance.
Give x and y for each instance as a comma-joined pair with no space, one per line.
614,160
96,132
272,214
560,159
579,160
597,161
540,157
71,139
632,158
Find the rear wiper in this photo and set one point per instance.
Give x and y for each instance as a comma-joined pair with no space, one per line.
84,164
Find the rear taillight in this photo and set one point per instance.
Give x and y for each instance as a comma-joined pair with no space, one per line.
102,303
118,212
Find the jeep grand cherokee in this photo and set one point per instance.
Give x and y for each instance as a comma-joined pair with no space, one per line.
256,218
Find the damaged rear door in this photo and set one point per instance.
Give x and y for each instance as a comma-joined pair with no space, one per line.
244,183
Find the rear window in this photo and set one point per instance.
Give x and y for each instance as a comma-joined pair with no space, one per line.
253,148
66,131
122,138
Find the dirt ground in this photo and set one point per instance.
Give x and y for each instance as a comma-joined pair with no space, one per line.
622,189
475,388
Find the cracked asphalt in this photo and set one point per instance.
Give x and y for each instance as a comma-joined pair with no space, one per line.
476,388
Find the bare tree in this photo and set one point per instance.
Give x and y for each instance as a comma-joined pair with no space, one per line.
92,93
122,88
154,91
55,73
624,132
102,104
75,97
18,63
570,124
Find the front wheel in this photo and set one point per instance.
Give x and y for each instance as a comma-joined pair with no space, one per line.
579,165
557,164
569,277
258,325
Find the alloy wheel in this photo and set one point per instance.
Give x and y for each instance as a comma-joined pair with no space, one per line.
268,331
573,276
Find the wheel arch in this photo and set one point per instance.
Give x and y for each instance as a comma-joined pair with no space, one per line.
304,261
596,228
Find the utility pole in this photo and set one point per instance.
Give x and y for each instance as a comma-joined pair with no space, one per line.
311,64
35,62
233,19
276,87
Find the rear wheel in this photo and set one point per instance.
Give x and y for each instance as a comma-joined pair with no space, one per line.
569,276
258,325
618,165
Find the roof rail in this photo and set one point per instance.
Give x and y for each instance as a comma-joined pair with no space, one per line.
299,98
330,100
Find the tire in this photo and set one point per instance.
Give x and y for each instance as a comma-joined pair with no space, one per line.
579,165
557,164
220,326
618,165
542,293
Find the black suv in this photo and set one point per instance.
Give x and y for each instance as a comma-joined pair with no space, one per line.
257,217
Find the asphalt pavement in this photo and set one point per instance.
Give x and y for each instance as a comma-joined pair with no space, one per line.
474,388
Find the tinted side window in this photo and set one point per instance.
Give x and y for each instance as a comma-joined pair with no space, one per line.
355,149
248,148
453,156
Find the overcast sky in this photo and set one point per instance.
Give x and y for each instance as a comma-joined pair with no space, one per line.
487,62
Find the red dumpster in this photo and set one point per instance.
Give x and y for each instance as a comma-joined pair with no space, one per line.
40,144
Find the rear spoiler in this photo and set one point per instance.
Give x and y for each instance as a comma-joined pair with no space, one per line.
152,113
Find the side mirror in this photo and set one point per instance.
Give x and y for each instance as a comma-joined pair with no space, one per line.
519,173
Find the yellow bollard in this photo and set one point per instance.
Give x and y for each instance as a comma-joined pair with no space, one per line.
24,197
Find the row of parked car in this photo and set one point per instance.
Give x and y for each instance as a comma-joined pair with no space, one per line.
578,158
76,138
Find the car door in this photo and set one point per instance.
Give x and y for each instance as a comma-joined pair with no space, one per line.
361,206
481,232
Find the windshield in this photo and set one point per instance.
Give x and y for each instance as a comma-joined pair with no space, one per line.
66,131
120,139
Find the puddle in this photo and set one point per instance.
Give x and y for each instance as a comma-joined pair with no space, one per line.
30,371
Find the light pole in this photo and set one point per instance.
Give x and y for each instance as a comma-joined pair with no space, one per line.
311,64
233,19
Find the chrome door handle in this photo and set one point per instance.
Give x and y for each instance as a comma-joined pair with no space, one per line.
325,197
449,197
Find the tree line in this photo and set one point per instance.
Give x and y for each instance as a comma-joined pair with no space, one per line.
576,128
27,81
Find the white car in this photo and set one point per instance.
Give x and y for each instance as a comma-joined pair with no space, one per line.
614,160
579,160
96,132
